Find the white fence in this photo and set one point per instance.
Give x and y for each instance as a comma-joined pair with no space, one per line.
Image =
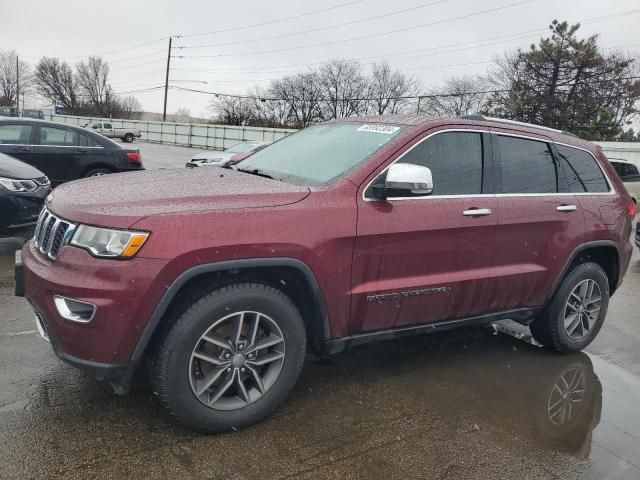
201,135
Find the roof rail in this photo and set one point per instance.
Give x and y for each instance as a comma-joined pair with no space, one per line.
514,122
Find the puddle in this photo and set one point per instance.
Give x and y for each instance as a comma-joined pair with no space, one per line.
466,404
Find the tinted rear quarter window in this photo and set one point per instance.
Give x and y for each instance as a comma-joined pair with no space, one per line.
582,171
455,160
625,170
527,166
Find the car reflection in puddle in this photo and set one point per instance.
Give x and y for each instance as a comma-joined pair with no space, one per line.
503,387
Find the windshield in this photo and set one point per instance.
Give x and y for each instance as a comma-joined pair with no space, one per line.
241,147
320,154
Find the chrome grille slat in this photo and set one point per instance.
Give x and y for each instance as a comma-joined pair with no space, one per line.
52,233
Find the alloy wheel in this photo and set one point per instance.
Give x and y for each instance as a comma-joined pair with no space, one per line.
237,360
567,393
582,309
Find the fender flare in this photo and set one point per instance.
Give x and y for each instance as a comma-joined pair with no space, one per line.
574,254
184,277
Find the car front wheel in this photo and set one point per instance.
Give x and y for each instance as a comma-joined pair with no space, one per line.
230,358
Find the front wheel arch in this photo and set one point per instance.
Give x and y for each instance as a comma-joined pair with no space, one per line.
201,279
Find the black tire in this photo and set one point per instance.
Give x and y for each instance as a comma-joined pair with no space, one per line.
128,138
549,330
96,172
172,366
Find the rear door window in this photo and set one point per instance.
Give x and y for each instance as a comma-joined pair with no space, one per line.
582,171
16,134
51,136
527,166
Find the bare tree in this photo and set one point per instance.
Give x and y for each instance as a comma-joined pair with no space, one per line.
10,80
389,88
129,105
182,115
233,110
268,112
459,96
93,81
55,81
300,96
344,88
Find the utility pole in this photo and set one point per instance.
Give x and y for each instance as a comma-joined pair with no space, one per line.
18,84
166,83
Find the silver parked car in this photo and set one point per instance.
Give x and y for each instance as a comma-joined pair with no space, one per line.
238,152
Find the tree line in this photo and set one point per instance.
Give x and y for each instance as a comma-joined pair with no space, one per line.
83,89
563,82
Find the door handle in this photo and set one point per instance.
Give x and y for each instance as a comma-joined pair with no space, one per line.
566,208
477,212
23,149
82,150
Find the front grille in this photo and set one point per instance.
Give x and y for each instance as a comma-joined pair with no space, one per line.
52,233
42,181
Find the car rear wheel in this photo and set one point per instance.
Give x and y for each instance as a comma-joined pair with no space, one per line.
97,172
128,137
230,358
576,312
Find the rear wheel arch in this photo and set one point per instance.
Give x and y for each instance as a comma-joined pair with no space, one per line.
98,166
603,252
291,276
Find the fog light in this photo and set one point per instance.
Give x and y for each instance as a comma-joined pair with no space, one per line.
74,310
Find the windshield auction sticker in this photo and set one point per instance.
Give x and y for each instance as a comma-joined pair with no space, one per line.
386,129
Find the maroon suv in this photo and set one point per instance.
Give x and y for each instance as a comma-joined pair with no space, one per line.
344,233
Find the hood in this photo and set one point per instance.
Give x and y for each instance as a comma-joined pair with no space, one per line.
119,200
12,168
211,157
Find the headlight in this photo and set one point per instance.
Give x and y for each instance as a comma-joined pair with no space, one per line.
103,242
18,185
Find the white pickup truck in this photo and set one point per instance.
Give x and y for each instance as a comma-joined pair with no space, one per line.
106,129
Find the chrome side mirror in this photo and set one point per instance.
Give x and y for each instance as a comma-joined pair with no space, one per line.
406,180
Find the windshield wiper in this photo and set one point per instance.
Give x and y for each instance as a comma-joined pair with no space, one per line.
255,171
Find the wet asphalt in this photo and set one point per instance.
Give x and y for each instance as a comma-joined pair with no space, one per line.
466,404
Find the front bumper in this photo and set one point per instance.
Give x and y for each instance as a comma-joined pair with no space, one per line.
21,209
121,290
117,375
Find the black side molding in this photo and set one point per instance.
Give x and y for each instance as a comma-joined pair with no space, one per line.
576,252
332,347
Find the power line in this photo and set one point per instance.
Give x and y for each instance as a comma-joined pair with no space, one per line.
150,54
289,72
363,37
363,99
270,22
440,47
319,29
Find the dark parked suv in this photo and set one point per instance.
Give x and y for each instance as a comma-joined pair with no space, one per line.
344,233
64,152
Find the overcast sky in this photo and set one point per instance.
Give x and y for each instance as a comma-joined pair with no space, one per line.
231,62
